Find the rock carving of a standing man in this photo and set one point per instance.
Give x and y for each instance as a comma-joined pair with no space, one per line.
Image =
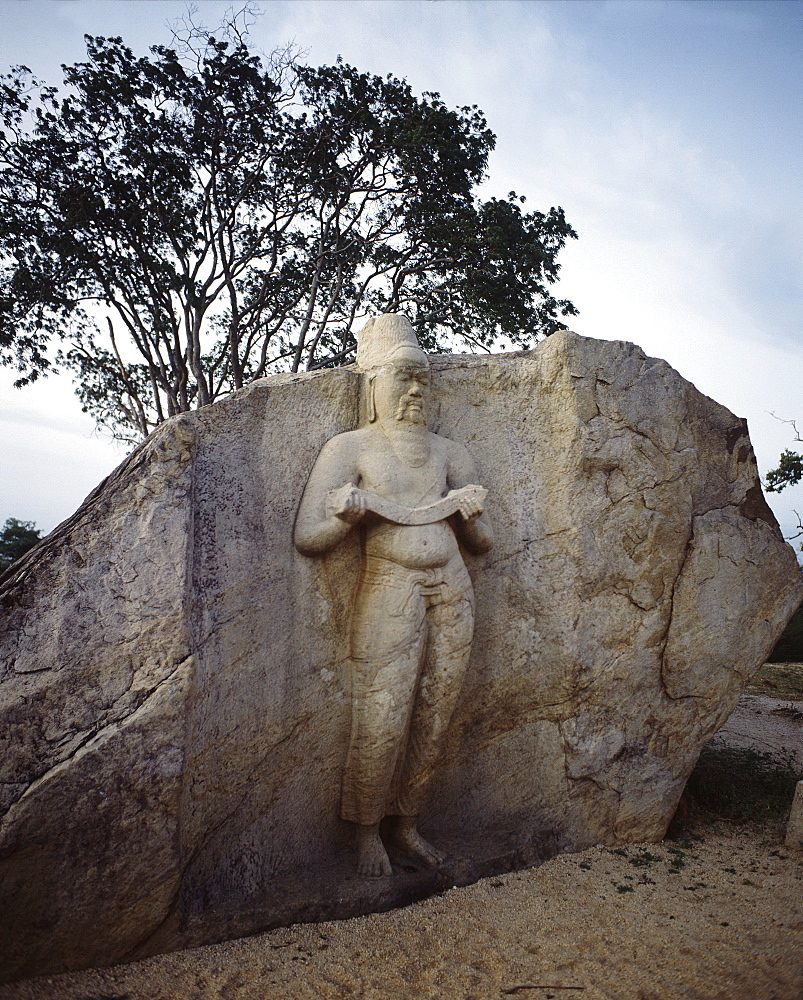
414,494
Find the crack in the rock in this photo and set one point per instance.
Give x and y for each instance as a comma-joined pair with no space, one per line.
639,491
733,508
94,735
130,955
527,543
211,632
633,601
621,422
671,615
210,832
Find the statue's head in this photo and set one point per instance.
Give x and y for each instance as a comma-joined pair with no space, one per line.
397,369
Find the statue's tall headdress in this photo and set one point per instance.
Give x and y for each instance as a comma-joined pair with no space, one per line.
388,339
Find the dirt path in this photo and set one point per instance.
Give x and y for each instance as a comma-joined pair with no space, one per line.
720,918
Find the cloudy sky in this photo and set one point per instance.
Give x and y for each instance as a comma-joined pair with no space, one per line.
670,132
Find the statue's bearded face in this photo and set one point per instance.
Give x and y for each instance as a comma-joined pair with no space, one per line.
401,392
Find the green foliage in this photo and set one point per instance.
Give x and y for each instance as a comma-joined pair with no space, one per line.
644,858
16,538
678,861
180,224
788,473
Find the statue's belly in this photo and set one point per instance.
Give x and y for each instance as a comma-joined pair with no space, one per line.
417,547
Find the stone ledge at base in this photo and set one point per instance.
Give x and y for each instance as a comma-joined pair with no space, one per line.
174,682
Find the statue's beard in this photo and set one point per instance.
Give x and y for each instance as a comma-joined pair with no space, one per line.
411,411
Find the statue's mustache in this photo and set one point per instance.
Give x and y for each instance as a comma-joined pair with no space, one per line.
405,402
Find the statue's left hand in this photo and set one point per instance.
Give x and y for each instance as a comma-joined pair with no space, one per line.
469,504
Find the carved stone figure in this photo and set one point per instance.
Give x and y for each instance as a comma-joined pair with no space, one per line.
176,671
413,493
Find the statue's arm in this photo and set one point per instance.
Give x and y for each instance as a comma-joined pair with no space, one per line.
474,532
318,528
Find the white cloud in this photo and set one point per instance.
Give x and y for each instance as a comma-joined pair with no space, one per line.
666,131
51,456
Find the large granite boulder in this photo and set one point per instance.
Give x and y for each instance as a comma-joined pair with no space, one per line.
174,682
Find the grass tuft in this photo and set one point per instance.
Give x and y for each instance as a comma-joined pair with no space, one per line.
779,680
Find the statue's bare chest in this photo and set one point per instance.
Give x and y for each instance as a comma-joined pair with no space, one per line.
410,471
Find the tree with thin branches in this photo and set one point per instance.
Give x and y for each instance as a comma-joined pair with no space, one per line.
174,226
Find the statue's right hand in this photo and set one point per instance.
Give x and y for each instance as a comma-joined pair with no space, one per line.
347,503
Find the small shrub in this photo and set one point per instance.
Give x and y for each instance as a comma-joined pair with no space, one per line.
678,859
644,858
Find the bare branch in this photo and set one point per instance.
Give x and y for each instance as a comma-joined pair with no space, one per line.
793,423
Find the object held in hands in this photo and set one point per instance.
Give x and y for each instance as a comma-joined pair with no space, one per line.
348,500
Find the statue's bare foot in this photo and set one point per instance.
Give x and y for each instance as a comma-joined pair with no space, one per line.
409,841
372,858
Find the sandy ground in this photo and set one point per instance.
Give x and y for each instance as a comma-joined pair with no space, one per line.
716,917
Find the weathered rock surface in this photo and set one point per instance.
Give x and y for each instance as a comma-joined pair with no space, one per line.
174,688
794,826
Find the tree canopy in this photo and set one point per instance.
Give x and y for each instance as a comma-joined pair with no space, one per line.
174,226
16,537
788,473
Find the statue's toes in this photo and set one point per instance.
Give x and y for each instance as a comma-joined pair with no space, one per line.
431,857
375,870
374,865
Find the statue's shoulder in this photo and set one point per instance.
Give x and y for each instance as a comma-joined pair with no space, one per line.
347,443
449,445
346,437
458,460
